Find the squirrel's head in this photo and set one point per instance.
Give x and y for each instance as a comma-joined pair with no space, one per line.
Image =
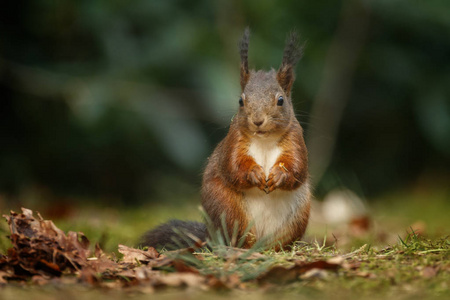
265,105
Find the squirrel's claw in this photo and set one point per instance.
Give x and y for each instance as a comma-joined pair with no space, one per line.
257,177
276,178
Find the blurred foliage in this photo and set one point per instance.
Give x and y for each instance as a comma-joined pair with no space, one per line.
124,100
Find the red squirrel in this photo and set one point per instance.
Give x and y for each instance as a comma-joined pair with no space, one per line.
257,177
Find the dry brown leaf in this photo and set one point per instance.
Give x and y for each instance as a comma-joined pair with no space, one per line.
40,248
132,255
351,265
49,267
102,264
89,275
159,262
98,251
337,260
41,251
280,274
144,273
182,267
3,274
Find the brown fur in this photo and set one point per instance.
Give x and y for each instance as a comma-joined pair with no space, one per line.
231,171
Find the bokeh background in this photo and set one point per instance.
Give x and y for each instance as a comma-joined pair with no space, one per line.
119,103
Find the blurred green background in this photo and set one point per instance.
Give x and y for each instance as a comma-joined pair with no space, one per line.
121,102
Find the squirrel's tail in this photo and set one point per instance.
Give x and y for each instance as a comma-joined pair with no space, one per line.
174,234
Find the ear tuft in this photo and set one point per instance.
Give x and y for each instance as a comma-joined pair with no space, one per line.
293,51
243,49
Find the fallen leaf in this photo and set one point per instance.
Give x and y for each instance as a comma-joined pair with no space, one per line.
144,272
351,265
49,267
337,260
88,275
41,248
2,275
159,262
182,267
102,264
132,255
279,274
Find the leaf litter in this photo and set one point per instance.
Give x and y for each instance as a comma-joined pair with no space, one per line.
43,254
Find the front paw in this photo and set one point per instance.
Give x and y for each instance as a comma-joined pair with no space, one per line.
277,177
257,177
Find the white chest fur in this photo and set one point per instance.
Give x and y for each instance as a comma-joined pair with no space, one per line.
265,152
270,212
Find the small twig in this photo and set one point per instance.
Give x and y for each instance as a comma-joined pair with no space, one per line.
363,247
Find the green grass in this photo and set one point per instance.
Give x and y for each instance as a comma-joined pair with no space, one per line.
388,261
413,268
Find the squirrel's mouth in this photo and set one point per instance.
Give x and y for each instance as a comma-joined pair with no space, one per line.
260,132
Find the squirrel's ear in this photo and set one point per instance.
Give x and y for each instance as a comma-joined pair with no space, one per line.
243,49
292,54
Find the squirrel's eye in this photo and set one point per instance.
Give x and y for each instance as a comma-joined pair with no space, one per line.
241,102
280,101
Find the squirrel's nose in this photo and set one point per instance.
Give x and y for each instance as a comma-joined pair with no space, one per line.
258,123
